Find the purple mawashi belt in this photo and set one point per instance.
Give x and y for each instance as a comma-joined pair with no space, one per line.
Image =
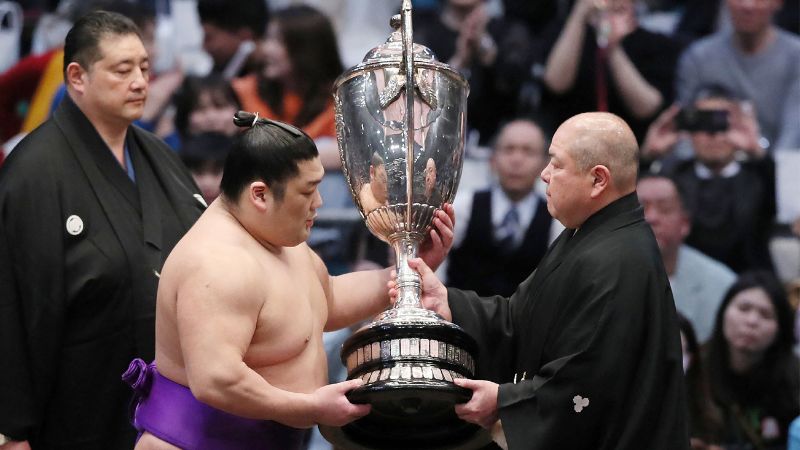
170,412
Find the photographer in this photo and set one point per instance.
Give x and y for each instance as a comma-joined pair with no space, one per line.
728,183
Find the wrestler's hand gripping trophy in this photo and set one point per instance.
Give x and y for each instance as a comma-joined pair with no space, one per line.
400,125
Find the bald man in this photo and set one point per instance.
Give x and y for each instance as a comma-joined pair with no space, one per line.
586,353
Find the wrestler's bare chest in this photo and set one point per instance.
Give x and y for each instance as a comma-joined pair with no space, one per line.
288,333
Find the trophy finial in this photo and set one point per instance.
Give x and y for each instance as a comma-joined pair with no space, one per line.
396,22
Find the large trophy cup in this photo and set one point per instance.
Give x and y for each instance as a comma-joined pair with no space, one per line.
400,123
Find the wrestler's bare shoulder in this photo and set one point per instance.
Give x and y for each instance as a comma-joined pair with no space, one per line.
150,442
217,243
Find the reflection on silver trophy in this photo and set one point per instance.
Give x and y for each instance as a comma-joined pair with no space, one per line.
400,123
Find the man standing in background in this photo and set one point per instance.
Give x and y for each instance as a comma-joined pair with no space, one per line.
90,207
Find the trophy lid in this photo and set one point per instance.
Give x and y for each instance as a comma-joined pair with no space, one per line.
392,49
390,54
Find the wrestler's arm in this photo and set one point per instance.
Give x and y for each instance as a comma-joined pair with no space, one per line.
352,297
217,311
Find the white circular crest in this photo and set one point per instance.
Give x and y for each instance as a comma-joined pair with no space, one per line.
74,225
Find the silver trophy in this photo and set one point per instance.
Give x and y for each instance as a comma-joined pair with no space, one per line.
400,124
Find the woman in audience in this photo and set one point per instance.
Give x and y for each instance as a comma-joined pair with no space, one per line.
204,105
301,62
204,155
754,374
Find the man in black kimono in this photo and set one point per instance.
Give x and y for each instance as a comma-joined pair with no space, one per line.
587,350
90,207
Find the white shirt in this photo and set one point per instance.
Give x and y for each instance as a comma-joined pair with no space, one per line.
501,204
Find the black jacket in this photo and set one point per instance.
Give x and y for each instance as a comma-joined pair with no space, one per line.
596,321
81,247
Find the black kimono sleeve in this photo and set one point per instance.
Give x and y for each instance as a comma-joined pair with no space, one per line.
488,320
32,300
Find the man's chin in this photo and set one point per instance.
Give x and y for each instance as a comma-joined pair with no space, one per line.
133,117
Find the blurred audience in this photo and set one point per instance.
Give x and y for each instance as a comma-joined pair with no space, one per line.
698,282
702,18
729,185
794,435
204,155
301,62
494,53
754,60
754,374
231,32
203,104
603,61
705,418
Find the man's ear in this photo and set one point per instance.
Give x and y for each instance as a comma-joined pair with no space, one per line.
74,76
259,195
686,226
601,180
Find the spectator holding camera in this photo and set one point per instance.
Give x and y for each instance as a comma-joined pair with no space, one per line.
729,183
756,60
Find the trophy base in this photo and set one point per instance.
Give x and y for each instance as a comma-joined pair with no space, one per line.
405,415
408,359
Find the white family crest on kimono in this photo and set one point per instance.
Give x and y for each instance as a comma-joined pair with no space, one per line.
74,225
580,403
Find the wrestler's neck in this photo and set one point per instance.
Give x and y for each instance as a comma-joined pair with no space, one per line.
237,215
272,248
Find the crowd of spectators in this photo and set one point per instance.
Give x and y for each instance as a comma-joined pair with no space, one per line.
711,88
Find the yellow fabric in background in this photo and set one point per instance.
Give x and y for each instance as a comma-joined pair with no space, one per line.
51,80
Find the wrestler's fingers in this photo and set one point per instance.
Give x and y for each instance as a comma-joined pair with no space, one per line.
350,384
360,410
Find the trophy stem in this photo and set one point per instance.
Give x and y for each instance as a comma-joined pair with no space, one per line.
408,279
